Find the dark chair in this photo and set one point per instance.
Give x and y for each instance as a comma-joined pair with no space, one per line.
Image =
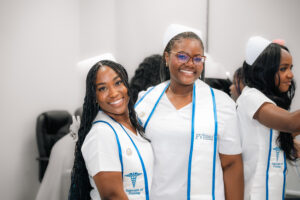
50,127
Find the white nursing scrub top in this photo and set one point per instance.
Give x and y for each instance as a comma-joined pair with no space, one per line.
255,136
170,131
100,152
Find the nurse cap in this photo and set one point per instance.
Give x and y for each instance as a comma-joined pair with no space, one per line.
214,69
255,46
175,29
89,62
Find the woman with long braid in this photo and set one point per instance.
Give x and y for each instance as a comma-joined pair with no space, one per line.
113,160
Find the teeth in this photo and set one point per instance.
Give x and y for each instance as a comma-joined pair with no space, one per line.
116,102
188,72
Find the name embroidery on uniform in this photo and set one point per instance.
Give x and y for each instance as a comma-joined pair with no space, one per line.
203,136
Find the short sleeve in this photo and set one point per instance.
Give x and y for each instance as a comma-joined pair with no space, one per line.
100,150
142,93
228,132
251,100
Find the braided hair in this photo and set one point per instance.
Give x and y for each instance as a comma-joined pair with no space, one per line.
164,70
80,184
146,75
261,75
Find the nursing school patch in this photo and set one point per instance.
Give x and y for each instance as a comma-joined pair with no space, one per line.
133,177
277,163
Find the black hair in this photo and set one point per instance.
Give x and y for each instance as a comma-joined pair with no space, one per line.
80,185
219,83
261,75
238,78
146,75
164,70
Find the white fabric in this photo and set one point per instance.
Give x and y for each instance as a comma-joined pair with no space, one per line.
175,29
213,69
57,179
100,152
255,46
169,131
255,145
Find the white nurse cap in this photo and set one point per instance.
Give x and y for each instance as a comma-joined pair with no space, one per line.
255,46
175,29
89,62
213,69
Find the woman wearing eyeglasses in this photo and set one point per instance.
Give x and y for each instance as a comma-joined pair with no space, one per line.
192,128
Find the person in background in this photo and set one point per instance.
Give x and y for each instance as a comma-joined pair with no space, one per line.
267,127
57,179
192,127
238,84
146,75
113,159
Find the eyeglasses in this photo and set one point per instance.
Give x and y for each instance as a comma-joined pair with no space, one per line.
184,58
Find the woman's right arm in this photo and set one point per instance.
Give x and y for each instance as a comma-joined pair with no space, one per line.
101,155
277,118
110,185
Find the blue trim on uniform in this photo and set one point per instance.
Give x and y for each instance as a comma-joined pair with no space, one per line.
284,176
142,163
268,166
146,123
118,142
141,99
215,142
192,145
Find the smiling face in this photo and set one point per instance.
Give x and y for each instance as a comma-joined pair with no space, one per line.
184,73
284,76
111,93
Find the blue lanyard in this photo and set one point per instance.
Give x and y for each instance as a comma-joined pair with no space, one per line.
268,167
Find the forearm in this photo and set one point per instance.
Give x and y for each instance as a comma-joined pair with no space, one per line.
234,180
115,196
110,186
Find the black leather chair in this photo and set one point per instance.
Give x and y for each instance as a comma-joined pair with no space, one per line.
50,127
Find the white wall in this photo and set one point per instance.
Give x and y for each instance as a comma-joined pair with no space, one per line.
41,42
97,32
232,22
38,52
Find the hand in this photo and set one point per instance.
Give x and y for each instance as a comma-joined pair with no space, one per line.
297,146
74,128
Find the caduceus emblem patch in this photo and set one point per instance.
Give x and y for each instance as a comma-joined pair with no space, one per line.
133,176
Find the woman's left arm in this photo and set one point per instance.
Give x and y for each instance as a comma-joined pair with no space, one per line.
233,176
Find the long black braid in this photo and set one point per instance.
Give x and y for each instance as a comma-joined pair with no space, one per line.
80,184
261,75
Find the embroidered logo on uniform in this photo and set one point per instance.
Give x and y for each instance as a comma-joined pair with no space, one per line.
203,136
133,177
128,151
277,164
277,150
